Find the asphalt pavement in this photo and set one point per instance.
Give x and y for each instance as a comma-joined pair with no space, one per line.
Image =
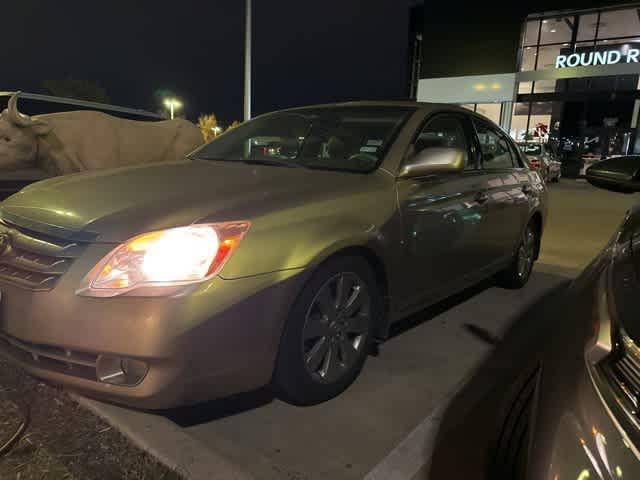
383,426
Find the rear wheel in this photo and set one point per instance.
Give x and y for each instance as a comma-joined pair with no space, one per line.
329,332
518,272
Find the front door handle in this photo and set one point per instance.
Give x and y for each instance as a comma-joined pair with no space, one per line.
482,197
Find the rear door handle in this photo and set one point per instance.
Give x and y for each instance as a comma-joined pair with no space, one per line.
482,197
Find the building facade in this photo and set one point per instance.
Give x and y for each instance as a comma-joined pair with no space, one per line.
573,80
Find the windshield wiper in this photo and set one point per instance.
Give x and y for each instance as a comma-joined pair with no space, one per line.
272,161
254,161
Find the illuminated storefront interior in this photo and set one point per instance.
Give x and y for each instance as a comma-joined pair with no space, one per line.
578,80
574,82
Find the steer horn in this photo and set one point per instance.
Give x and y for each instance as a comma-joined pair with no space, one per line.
15,117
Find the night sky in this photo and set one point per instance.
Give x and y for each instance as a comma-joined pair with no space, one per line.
304,51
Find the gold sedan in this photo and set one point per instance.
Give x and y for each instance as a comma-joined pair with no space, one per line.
276,254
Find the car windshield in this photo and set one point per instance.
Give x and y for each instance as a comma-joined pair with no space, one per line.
530,148
336,138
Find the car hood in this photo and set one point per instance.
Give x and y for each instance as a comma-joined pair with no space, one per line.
114,205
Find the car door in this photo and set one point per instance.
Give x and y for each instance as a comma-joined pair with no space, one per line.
508,203
443,215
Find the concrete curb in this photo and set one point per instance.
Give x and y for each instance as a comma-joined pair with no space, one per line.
165,441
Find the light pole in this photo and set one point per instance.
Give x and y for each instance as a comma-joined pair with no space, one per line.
247,62
216,130
172,104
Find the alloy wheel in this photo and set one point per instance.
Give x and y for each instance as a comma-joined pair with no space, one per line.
526,253
336,326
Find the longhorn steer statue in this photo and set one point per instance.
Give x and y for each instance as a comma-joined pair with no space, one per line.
67,142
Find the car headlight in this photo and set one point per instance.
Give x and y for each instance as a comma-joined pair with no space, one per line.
166,258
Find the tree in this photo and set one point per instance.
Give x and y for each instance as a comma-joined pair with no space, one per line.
208,124
234,124
210,127
77,89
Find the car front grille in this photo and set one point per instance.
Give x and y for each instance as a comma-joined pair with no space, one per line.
33,260
56,359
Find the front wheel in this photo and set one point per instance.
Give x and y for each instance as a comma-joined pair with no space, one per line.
329,332
519,270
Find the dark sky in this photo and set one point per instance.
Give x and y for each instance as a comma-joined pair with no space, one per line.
304,51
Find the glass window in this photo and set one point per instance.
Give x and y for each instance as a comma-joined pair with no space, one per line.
469,106
626,82
519,120
531,32
547,56
557,30
582,47
587,27
528,59
489,110
494,147
443,131
540,120
333,138
525,87
544,86
619,23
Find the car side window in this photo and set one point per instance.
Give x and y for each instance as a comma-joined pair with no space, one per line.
494,147
444,131
517,155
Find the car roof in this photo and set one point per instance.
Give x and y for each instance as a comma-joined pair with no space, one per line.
424,107
381,103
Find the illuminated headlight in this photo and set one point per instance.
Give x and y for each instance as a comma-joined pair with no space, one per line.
165,258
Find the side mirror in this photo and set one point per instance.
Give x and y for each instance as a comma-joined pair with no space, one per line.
434,160
619,174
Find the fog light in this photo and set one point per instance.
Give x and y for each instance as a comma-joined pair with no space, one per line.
120,371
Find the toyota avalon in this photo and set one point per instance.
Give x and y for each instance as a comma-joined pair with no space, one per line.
276,254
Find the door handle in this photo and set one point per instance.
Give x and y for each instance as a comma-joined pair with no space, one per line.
527,189
482,197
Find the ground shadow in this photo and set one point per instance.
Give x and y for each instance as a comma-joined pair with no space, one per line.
472,419
429,313
189,416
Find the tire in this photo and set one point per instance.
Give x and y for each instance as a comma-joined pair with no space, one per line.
517,274
323,348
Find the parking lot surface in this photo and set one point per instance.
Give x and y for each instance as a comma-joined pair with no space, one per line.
381,427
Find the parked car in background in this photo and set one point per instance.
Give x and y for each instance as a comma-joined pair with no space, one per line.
564,402
555,171
278,253
538,158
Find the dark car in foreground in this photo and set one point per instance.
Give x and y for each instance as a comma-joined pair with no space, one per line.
278,253
563,400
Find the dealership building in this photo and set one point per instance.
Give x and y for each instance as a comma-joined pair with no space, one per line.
569,76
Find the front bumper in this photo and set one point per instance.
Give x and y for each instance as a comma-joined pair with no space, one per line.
217,339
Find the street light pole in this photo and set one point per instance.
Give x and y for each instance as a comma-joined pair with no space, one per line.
247,62
172,104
